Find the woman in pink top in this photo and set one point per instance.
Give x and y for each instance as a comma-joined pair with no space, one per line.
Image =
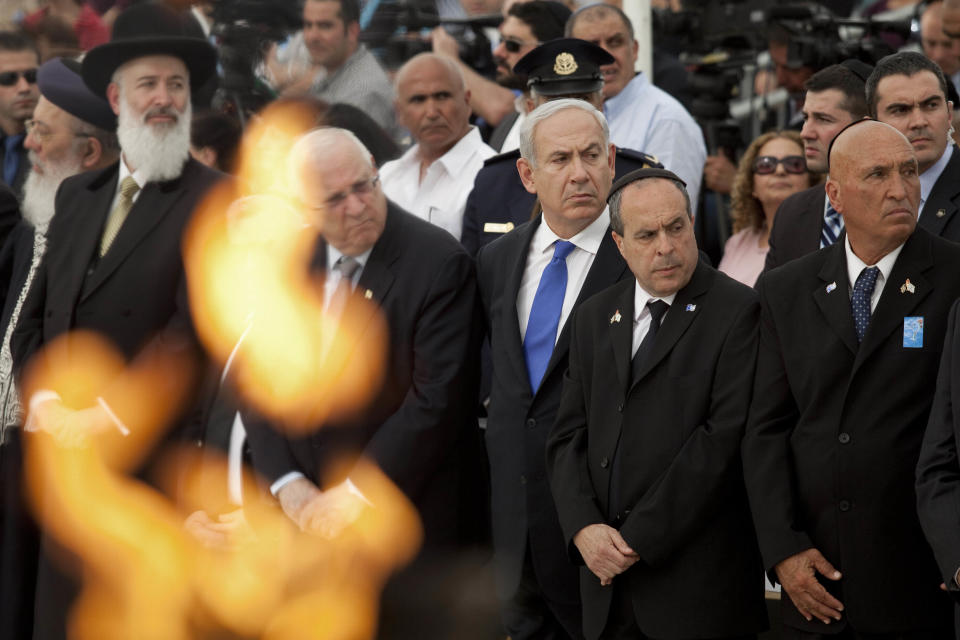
772,168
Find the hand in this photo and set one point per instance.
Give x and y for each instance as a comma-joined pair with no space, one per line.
605,551
329,513
764,82
229,532
69,427
294,497
444,44
797,575
718,173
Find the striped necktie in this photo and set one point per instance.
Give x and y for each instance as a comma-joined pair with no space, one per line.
128,188
832,226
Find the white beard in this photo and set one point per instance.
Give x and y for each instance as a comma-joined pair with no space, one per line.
40,189
158,152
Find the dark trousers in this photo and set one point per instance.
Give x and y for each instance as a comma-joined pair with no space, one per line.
531,615
848,633
19,546
622,622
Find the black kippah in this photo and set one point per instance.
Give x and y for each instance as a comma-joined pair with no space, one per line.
641,174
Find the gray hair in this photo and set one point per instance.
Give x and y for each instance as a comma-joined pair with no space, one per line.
528,150
316,144
616,202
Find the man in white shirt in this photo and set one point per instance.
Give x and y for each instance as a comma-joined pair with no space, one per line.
434,177
909,92
641,115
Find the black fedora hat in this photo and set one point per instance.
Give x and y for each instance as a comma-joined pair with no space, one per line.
147,29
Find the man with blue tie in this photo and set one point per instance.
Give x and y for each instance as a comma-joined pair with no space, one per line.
531,279
850,340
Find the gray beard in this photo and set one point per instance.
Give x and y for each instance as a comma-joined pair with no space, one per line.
156,152
40,191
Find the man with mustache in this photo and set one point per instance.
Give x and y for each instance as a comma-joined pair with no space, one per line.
117,231
531,280
909,91
850,340
71,131
433,178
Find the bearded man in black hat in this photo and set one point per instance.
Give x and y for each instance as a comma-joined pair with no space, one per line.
113,262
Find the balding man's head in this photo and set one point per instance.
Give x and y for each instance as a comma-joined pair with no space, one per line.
877,193
433,103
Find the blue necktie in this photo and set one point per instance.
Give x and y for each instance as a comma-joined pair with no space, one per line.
831,228
860,300
544,318
11,157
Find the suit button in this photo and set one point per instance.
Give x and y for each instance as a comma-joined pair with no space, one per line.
531,423
844,505
620,408
523,479
844,438
604,463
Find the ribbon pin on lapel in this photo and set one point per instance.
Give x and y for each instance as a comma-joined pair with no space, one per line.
368,294
908,287
691,307
831,287
615,317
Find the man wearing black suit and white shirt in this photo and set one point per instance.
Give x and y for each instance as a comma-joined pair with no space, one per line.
530,281
804,221
644,456
850,340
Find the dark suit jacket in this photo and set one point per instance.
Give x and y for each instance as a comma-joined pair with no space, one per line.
677,431
938,470
500,199
940,210
835,429
519,421
796,227
421,430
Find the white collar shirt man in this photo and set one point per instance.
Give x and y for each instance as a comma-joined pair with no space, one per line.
441,196
648,119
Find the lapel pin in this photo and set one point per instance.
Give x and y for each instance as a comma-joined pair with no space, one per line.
368,294
691,307
831,287
615,317
941,213
908,287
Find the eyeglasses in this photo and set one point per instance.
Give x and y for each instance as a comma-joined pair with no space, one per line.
513,45
360,189
10,78
41,133
765,165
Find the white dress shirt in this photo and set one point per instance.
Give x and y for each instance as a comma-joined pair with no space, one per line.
645,118
855,265
579,261
442,195
929,177
642,316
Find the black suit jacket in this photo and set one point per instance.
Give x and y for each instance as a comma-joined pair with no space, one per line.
940,210
676,430
835,429
519,421
421,429
796,227
499,202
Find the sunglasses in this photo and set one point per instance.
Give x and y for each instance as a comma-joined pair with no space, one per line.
10,78
514,46
765,165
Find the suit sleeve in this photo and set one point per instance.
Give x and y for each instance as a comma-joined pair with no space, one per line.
470,234
767,461
938,469
415,439
670,513
567,464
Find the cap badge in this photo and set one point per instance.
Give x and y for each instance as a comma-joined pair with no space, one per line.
565,64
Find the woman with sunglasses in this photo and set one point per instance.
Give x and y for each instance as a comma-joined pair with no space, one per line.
771,169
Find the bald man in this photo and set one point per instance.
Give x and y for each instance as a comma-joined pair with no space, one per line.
850,338
434,177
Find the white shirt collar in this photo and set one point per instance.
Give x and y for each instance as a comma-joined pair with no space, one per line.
333,255
453,161
855,265
929,177
641,298
588,239
124,172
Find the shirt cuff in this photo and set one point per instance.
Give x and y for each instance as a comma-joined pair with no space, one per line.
38,398
283,481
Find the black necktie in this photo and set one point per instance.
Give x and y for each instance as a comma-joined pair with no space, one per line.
657,309
860,300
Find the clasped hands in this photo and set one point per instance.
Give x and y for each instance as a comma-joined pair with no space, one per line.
325,513
798,576
604,551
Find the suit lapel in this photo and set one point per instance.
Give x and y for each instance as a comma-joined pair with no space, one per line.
621,333
681,315
914,259
151,207
832,295
85,233
939,208
511,322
